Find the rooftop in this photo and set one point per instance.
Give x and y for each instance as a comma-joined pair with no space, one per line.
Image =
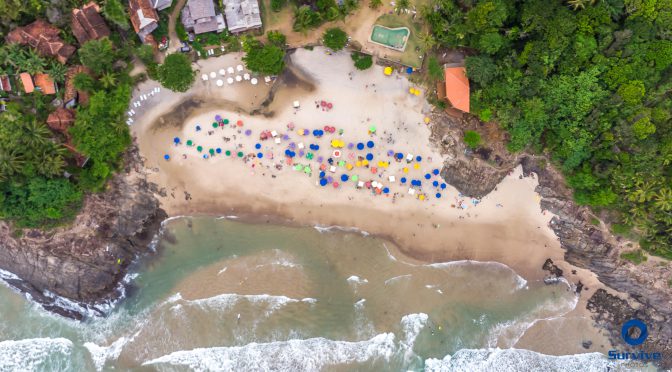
87,24
242,15
27,82
457,88
44,37
45,83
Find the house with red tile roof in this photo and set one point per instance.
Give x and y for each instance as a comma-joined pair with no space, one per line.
44,83
144,17
87,24
44,37
27,82
457,88
61,119
5,83
72,96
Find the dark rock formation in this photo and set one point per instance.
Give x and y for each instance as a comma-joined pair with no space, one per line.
587,246
86,261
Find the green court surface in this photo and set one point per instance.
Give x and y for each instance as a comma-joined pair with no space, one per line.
394,38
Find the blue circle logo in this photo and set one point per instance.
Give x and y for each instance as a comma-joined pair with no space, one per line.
636,323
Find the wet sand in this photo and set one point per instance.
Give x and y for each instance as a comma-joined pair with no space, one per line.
506,226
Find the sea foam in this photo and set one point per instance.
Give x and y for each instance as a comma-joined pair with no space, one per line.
494,360
43,354
294,355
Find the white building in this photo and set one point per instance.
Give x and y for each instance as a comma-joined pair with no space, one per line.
199,16
242,15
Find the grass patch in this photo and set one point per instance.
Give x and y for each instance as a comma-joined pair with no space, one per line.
594,221
620,229
410,56
636,257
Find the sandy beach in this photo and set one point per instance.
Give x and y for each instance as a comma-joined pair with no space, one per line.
434,224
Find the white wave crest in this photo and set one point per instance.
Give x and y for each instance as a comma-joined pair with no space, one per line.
294,355
494,360
101,354
355,280
43,354
323,229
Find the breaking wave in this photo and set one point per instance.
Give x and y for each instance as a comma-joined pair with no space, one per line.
43,354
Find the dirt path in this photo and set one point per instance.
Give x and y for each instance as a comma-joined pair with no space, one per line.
172,35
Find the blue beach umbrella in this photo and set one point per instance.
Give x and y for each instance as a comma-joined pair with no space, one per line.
436,172
344,177
176,140
418,158
438,195
323,182
198,128
428,176
409,70
369,156
386,190
399,156
260,155
370,144
322,174
443,186
435,183
316,132
360,146
167,157
403,180
257,146
219,150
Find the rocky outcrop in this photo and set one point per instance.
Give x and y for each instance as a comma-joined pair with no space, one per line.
77,269
587,245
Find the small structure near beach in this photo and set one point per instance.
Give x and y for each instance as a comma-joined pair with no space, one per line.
44,37
144,18
242,15
455,89
199,16
87,24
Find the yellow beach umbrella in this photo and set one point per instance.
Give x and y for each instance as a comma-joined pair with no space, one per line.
358,163
405,170
421,196
416,166
349,166
411,90
426,120
417,92
365,162
387,71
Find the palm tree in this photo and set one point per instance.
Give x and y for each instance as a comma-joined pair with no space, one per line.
663,199
108,80
427,42
580,4
643,192
303,19
35,134
32,62
10,163
402,6
50,164
57,71
375,4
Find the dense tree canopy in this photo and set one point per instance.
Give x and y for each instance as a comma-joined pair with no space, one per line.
264,59
176,73
335,38
98,55
362,61
589,84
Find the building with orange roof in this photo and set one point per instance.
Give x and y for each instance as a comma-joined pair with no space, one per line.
44,37
457,88
45,84
27,82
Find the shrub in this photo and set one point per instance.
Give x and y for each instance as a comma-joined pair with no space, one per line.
362,61
335,39
472,139
636,257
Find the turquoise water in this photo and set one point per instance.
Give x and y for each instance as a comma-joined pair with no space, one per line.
224,295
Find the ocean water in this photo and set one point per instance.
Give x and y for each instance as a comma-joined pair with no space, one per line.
228,296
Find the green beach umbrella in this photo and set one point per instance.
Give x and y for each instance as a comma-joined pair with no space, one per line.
190,143
240,154
211,151
298,167
309,156
226,121
307,170
199,148
355,178
372,129
215,125
341,163
228,153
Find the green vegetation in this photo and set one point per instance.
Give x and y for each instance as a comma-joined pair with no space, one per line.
472,139
636,257
97,55
176,73
434,69
589,84
276,38
306,18
375,4
335,38
276,5
362,61
263,59
114,11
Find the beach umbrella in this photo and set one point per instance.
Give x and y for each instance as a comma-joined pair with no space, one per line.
387,71
372,129
344,177
335,184
230,70
190,142
386,190
322,174
369,156
218,117
198,128
370,144
229,80
348,166
204,77
421,197
219,82
438,195
212,151
399,156
219,150
341,163
222,71
239,78
435,183
239,67
428,176
330,179
323,182
418,158
240,154
215,125
426,120
409,70
416,166
167,157
254,81
360,146
205,156
405,169
260,155
213,75
176,140
435,172
301,153
390,152
443,186
239,123
199,148
403,180
226,121
309,156
257,146
246,76
248,132
228,153
355,178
